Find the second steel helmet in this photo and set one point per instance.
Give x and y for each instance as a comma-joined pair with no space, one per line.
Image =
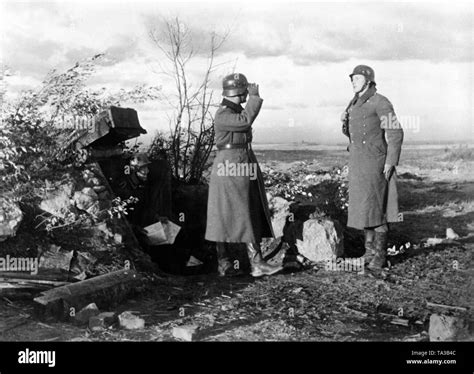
364,70
234,85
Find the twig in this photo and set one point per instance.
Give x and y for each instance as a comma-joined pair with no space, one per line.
434,305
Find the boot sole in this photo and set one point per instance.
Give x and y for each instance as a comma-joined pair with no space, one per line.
261,274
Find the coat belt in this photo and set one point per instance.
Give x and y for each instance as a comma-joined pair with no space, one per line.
232,146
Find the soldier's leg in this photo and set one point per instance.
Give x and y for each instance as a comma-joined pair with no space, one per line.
380,245
258,266
223,261
369,237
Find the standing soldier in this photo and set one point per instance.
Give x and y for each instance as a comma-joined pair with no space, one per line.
375,137
237,209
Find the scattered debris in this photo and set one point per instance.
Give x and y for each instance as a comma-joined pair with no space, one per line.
400,322
162,232
450,234
356,312
185,333
87,200
447,328
58,202
55,258
433,241
102,321
422,336
118,238
83,316
445,306
130,321
193,261
10,218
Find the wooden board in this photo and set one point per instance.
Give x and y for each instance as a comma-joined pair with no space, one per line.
104,290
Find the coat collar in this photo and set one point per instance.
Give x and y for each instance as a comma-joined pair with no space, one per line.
358,101
134,181
235,107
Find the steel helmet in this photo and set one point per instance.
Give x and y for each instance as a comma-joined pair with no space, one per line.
364,70
234,85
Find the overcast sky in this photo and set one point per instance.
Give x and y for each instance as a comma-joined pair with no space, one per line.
299,53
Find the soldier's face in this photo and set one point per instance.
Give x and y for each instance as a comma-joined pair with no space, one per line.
243,98
358,82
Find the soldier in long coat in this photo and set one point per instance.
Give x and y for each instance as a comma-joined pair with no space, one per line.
376,138
237,206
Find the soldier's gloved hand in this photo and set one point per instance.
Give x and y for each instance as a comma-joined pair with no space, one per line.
253,89
343,116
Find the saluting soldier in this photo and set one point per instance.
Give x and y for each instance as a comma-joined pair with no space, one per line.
376,138
237,207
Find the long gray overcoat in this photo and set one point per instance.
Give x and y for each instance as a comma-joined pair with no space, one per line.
237,209
375,140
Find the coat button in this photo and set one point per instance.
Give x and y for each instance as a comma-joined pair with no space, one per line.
352,141
363,142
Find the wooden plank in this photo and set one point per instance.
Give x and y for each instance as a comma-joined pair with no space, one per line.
88,286
400,322
33,282
45,274
104,290
434,305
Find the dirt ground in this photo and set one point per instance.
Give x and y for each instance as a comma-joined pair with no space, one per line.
436,192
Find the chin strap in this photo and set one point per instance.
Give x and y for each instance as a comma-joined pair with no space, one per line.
363,87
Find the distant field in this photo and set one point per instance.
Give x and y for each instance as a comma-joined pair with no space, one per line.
446,162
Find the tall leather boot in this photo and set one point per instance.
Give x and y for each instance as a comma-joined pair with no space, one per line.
380,244
369,237
258,266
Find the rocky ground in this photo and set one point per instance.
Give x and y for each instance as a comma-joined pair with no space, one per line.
427,276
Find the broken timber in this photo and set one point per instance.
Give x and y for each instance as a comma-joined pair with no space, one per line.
41,283
434,305
105,290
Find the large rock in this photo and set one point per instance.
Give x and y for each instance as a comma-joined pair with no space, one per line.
322,240
280,209
10,218
185,333
87,200
55,258
130,321
447,328
83,316
58,202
